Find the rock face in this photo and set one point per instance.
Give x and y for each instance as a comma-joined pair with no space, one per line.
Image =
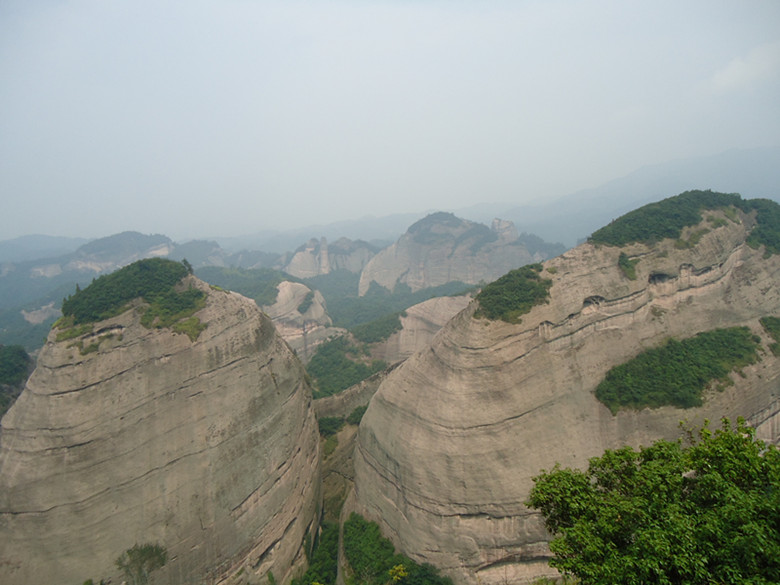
442,248
317,257
452,439
209,448
418,326
301,318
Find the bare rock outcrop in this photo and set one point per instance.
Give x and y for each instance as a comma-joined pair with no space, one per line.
419,324
452,439
317,257
207,447
442,248
301,318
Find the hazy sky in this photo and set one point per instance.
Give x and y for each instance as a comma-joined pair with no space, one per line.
205,118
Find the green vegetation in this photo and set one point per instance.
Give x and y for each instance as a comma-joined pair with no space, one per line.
258,284
306,302
379,329
677,372
663,219
139,561
627,266
693,239
373,560
514,294
330,425
356,415
323,564
332,370
348,310
700,514
667,219
15,366
152,280
772,326
109,294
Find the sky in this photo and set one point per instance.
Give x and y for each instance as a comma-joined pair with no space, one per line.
215,118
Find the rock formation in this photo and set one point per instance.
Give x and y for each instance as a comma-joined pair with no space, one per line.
419,323
442,248
316,257
452,439
301,318
130,435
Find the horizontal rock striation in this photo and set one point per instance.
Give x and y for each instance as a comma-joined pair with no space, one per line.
452,439
208,448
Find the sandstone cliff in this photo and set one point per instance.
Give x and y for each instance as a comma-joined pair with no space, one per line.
301,318
450,442
208,448
442,248
419,324
318,257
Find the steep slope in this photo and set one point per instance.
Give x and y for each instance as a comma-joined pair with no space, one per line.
450,442
442,248
317,257
301,318
131,434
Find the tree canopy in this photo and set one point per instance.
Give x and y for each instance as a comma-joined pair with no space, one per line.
514,294
706,512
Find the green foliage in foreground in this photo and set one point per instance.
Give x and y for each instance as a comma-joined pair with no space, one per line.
323,565
109,294
667,218
333,370
772,326
514,294
677,372
373,560
666,514
139,561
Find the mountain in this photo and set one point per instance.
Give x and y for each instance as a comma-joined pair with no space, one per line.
526,376
442,248
178,418
317,257
570,219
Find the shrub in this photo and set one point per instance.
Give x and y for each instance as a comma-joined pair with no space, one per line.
139,561
332,371
627,266
109,294
514,294
677,372
356,415
701,514
772,326
373,560
379,329
330,425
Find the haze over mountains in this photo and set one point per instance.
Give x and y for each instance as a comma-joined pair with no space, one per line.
193,425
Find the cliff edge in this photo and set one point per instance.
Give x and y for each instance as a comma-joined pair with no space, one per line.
203,441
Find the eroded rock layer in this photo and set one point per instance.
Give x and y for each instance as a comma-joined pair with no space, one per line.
452,439
208,448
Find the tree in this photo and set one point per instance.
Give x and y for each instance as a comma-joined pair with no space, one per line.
140,560
708,512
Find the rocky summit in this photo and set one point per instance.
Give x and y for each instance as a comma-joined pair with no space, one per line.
198,437
453,437
442,248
